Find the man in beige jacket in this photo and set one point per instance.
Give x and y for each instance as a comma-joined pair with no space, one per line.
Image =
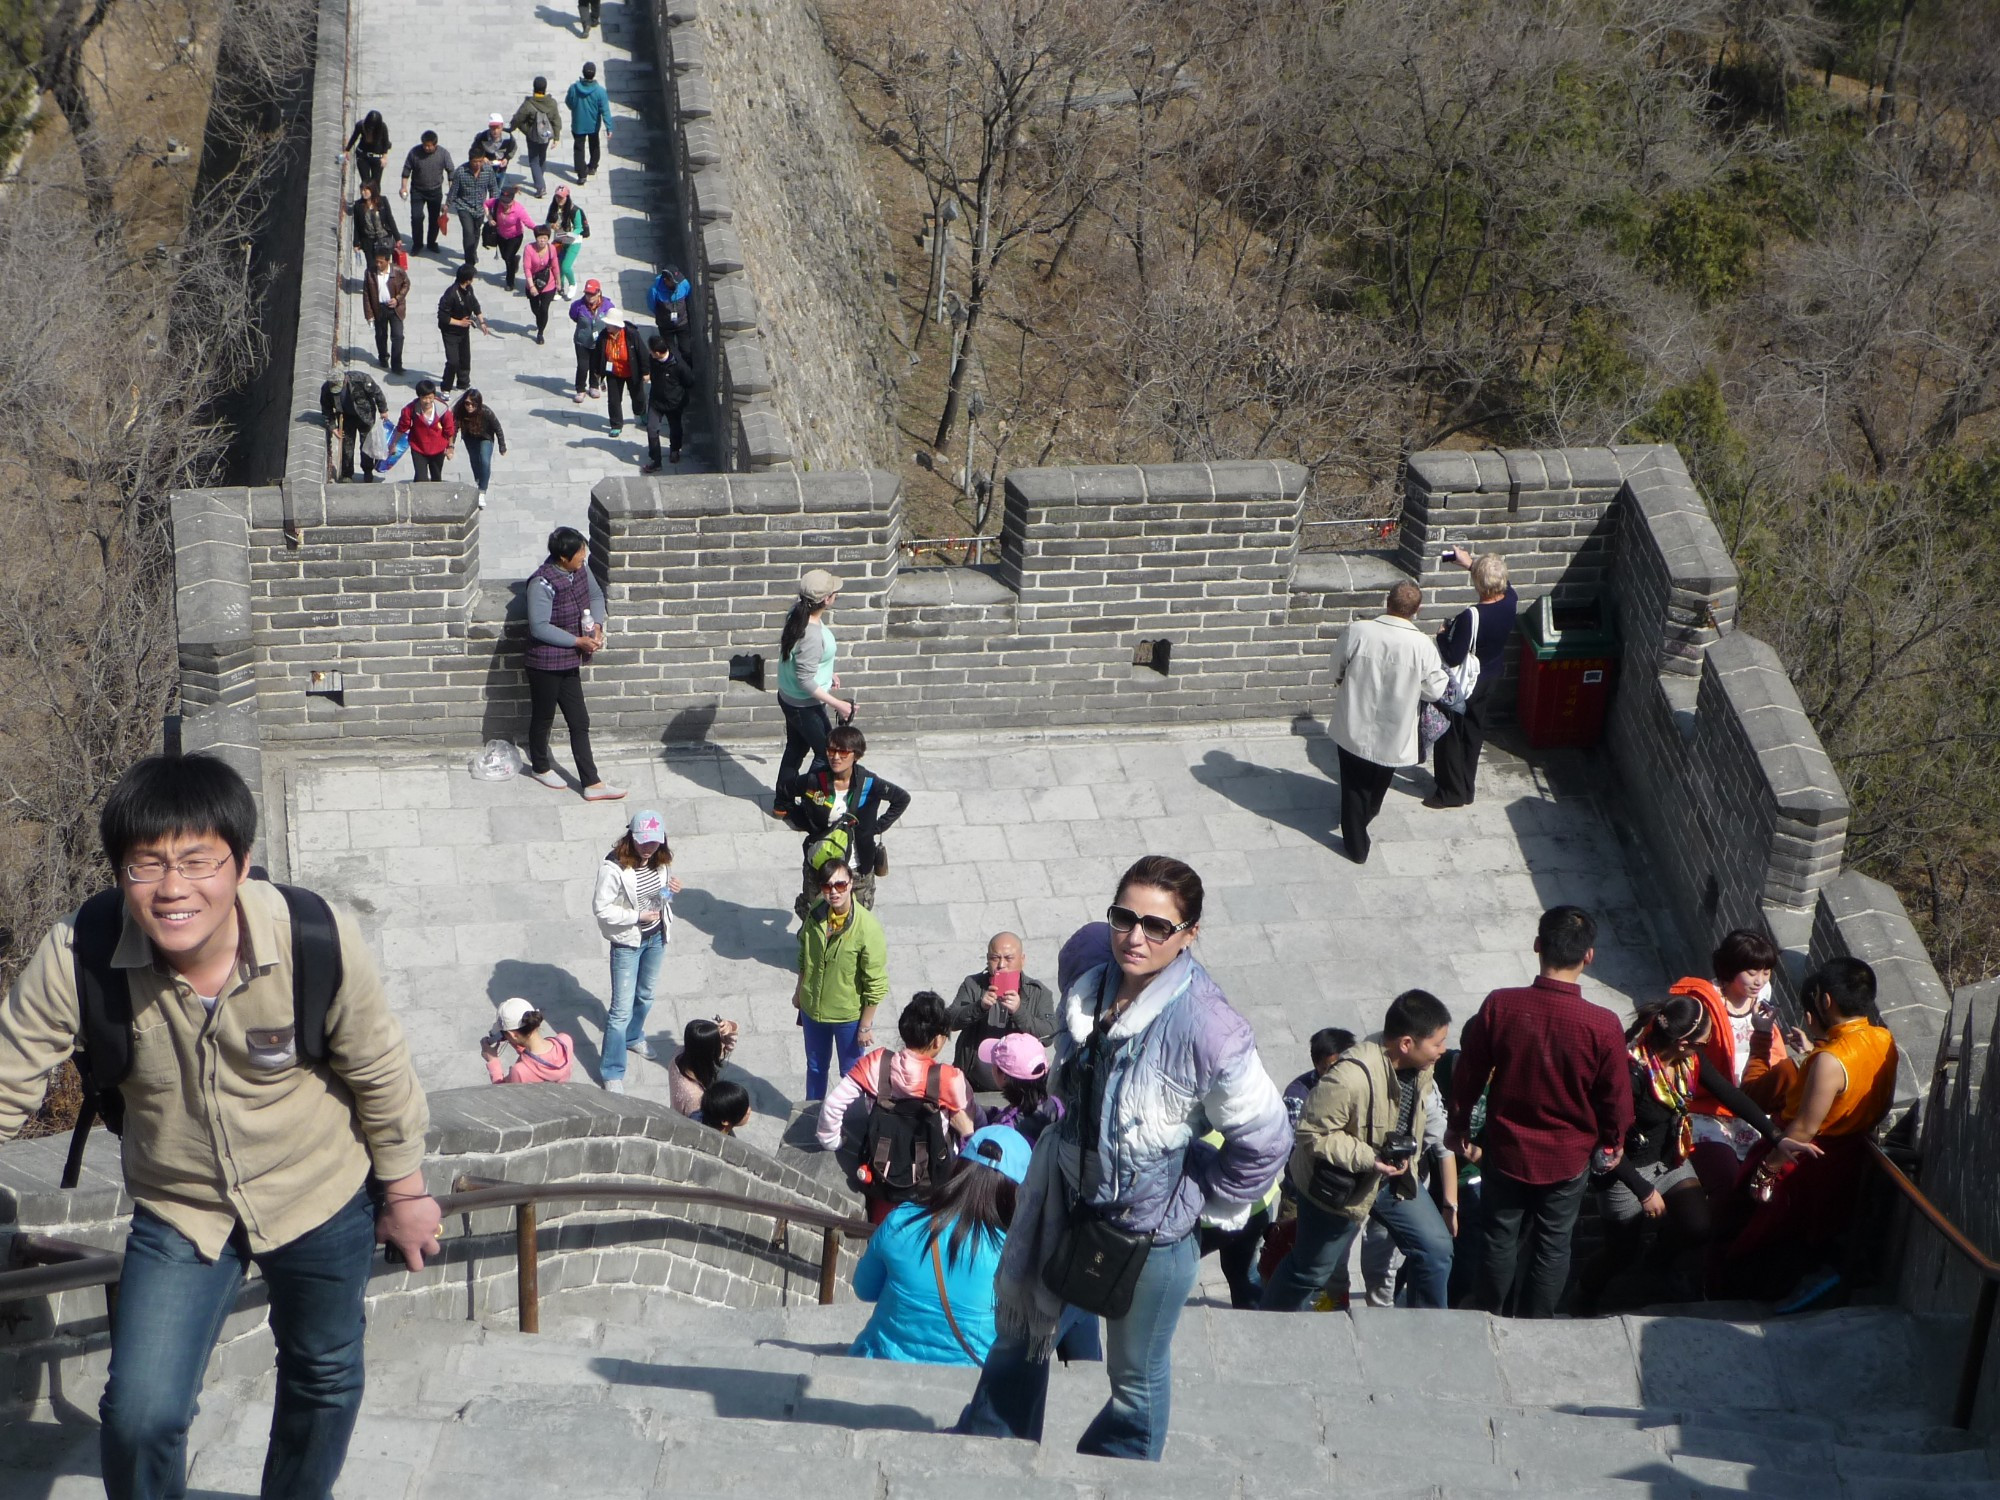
238,1146
1355,1157
1386,671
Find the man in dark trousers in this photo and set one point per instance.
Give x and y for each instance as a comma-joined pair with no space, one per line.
425,171
540,124
666,400
352,403
625,364
385,301
1560,1092
589,118
1387,669
458,314
565,630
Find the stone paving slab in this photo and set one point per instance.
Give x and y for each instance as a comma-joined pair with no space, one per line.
423,76
474,891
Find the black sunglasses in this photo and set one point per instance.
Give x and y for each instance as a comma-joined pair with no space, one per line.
1157,929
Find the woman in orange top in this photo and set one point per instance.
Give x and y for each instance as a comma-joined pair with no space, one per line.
1834,1098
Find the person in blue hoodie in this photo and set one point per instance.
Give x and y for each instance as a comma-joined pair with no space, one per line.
668,299
929,1268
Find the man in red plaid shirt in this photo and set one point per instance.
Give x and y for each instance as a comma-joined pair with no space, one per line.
1560,1090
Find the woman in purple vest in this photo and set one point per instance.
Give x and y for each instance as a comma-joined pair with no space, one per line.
565,629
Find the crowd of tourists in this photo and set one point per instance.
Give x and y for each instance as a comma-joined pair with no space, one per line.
1049,1192
621,358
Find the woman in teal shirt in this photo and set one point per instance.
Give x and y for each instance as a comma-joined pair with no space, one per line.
929,1268
807,683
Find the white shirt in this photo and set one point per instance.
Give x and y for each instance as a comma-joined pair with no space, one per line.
1388,668
382,297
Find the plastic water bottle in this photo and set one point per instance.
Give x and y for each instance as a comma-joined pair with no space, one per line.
589,625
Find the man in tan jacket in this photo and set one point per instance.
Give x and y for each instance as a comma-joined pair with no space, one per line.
1355,1157
237,1146
1386,671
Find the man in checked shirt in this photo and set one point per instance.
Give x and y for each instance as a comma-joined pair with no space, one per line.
1559,1093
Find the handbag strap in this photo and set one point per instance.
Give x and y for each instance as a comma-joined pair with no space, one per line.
944,1301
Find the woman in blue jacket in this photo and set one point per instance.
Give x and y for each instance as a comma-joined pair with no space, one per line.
929,1268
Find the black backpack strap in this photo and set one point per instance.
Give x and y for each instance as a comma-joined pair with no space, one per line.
104,1020
932,1085
317,973
882,1070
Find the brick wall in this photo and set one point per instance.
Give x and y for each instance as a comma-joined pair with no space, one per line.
544,1133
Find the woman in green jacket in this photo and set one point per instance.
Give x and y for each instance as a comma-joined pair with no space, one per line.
843,976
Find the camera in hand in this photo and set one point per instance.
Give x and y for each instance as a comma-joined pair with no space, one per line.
1398,1146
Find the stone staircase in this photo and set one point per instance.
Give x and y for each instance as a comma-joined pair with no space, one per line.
642,1398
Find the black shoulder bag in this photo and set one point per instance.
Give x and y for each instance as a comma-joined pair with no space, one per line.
1342,1187
1095,1265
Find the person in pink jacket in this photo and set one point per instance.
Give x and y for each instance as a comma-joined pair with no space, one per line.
541,264
540,1059
513,224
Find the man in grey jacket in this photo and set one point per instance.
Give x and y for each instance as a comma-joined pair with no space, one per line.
1386,671
988,1004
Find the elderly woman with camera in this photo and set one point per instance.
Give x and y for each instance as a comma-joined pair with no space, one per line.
1355,1158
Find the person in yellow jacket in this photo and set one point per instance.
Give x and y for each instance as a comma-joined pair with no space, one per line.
843,976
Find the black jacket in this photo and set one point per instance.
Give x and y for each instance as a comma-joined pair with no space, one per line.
880,804
1654,1125
357,397
501,151
389,233
671,380
969,1017
457,302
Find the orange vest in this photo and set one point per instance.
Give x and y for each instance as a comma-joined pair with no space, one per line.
1868,1053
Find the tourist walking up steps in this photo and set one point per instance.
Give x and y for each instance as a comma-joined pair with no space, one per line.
540,124
458,314
368,145
634,906
473,185
565,629
385,302
245,1142
429,425
668,382
624,363
1560,1103
589,118
426,170
572,227
844,809
591,314
496,144
479,429
807,683
1149,1054
512,224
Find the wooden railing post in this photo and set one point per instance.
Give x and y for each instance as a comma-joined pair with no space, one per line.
829,1264
1974,1364
527,1270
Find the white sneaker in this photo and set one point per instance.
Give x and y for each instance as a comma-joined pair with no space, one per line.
614,1085
602,791
641,1046
550,778
482,499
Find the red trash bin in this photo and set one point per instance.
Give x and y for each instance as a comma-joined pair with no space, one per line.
1569,658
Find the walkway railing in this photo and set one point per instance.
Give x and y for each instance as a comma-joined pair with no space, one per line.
1972,1366
46,1266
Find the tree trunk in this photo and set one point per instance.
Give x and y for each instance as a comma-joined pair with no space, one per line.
1886,112
949,417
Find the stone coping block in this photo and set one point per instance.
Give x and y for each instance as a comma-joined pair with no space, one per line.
1122,484
452,501
1761,697
1346,573
1677,515
676,496
212,567
1872,926
917,587
1467,471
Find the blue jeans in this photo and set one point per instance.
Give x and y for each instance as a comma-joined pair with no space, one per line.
171,1304
479,453
823,1037
633,971
1013,1389
1320,1252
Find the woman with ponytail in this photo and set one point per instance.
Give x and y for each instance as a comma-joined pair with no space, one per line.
807,684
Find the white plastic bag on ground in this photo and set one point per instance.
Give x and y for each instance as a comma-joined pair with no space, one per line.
497,760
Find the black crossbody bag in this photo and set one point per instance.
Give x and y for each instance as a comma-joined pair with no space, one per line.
1095,1265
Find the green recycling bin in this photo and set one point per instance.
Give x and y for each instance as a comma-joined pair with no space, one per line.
1569,657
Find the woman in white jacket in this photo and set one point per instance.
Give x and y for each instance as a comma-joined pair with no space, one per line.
634,909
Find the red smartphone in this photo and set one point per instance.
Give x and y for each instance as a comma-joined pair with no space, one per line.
1006,982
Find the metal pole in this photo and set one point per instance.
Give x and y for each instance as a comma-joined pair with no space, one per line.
1975,1355
527,1270
829,1265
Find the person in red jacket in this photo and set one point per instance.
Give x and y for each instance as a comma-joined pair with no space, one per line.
1561,1100
431,429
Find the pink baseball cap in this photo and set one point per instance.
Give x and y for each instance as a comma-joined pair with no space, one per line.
1016,1054
649,828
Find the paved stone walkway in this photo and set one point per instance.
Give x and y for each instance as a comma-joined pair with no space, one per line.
448,73
475,891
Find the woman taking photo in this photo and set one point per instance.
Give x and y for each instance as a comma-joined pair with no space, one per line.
705,1047
807,683
1149,1054
538,1058
929,1268
634,908
1483,631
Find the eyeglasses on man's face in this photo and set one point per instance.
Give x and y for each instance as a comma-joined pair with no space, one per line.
152,871
1157,929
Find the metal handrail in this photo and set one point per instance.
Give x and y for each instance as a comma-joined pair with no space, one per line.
1972,1366
49,1265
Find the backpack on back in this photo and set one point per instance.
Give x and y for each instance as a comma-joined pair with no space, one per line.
903,1144
541,129
103,1054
